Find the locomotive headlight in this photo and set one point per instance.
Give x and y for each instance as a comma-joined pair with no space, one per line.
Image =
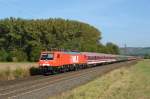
45,64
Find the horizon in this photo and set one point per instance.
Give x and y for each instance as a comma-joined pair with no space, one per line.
122,22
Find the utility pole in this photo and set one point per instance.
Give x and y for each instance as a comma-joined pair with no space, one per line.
125,49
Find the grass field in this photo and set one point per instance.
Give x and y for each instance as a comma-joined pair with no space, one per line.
123,83
14,70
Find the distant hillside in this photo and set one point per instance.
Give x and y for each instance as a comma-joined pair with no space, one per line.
135,51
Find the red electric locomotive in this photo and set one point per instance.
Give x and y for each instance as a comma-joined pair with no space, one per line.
61,60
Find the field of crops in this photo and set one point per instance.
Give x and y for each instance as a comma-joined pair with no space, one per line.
124,83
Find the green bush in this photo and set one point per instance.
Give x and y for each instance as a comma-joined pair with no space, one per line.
147,56
35,54
17,56
3,55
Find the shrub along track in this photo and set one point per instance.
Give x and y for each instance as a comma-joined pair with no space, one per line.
41,87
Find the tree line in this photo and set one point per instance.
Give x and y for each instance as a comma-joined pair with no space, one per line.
147,56
23,40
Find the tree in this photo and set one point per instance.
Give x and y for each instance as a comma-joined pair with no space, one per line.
30,37
112,48
147,56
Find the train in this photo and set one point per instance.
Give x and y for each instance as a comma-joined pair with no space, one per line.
62,61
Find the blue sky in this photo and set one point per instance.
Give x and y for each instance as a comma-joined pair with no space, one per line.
120,21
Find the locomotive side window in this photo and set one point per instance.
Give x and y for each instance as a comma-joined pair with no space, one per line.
47,56
58,55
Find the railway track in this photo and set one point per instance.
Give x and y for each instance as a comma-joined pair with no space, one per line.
42,87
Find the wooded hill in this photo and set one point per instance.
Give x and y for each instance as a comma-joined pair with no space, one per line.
23,40
137,51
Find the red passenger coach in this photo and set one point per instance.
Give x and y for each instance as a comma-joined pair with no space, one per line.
99,58
61,60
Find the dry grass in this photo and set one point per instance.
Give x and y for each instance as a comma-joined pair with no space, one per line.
10,71
124,83
14,65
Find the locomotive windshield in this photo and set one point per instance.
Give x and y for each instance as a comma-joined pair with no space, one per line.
47,56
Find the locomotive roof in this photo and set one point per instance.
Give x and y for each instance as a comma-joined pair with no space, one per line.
67,52
72,52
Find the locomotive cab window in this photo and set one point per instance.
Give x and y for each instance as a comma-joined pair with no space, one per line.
58,55
47,56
